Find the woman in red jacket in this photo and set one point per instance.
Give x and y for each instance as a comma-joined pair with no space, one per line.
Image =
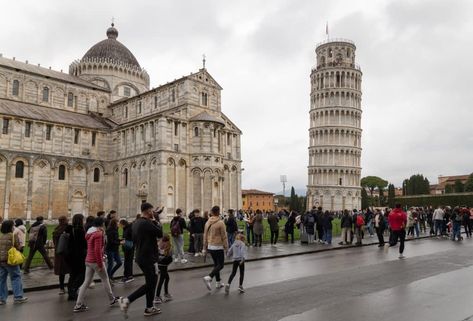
94,264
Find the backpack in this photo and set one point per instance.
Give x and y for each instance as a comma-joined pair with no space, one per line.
34,231
359,220
176,228
311,219
63,244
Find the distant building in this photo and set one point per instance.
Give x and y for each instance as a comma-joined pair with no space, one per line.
443,181
253,199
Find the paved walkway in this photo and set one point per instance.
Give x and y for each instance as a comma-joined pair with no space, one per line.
42,278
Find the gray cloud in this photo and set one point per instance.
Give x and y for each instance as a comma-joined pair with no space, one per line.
415,56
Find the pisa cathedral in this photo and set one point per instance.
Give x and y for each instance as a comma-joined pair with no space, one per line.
335,128
98,138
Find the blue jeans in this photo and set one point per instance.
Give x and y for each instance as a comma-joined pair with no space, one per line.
15,277
113,256
416,229
456,231
231,239
328,236
178,246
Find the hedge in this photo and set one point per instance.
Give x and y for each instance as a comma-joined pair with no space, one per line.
456,199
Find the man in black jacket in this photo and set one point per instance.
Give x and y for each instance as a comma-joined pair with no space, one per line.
38,235
346,224
145,239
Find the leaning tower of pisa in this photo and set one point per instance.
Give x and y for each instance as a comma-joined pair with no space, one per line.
335,128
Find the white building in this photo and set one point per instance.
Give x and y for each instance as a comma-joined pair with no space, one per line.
335,128
99,138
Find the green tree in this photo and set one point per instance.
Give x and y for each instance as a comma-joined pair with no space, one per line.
391,196
448,189
364,199
372,182
416,185
458,187
294,203
469,184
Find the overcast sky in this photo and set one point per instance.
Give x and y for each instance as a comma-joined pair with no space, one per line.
415,57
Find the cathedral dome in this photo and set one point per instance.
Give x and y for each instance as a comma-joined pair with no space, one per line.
112,49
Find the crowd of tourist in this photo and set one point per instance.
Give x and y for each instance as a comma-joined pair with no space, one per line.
91,246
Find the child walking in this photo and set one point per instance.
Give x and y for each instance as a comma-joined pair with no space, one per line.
239,251
165,258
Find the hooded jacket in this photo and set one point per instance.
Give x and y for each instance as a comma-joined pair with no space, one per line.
397,219
94,238
215,233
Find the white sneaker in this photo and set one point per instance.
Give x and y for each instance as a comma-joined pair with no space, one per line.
176,260
207,279
219,285
124,304
401,256
183,261
92,285
227,288
196,254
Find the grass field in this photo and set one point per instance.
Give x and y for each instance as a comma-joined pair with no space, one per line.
38,260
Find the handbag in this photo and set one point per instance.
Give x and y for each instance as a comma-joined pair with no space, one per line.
15,257
63,244
128,245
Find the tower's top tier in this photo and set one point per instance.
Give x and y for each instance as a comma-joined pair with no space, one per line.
336,52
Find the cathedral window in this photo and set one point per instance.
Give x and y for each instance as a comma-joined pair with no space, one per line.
19,169
125,112
15,88
6,125
70,100
139,107
46,94
48,131
176,147
96,175
61,172
204,99
125,177
76,136
196,132
330,52
126,91
229,139
176,128
94,138
173,95
155,101
27,129
340,181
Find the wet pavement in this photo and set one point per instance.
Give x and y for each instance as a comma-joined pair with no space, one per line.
433,283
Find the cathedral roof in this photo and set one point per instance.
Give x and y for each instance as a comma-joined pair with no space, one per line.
112,49
206,117
47,114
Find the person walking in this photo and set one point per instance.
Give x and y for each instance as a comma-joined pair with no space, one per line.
289,226
8,240
197,225
38,235
145,239
308,222
438,218
94,263
165,258
112,249
239,253
457,219
61,268
178,225
273,222
359,223
249,220
398,221
232,227
128,251
327,226
20,231
346,223
76,255
258,228
215,242
380,226
466,221
319,224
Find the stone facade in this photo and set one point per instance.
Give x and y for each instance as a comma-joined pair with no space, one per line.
335,128
99,139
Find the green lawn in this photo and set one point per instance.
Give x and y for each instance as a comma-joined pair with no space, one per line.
38,260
